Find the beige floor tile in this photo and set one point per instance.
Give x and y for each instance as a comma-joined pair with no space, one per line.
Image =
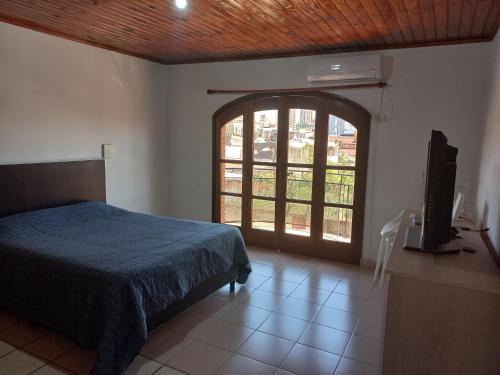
19,363
50,347
268,256
246,315
363,349
222,312
354,289
303,263
188,323
264,300
225,335
51,370
283,372
164,345
310,294
165,370
275,257
291,274
369,327
334,318
325,338
332,269
243,365
374,310
78,361
359,275
284,326
273,261
8,320
299,309
254,281
266,348
200,330
200,359
240,292
5,348
287,256
142,366
210,305
22,334
321,281
346,303
278,286
303,360
264,269
350,367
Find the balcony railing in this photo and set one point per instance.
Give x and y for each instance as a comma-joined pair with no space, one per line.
337,222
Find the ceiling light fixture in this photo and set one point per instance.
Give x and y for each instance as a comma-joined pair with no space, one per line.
181,4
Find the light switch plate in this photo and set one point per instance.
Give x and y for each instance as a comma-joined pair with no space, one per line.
107,151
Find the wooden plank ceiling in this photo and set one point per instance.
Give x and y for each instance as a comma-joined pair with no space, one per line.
215,30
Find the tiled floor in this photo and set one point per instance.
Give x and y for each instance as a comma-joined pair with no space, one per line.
295,315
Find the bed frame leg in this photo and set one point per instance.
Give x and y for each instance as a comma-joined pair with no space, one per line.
231,286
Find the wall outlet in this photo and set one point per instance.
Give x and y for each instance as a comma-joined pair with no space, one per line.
107,151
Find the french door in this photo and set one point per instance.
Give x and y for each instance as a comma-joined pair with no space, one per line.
290,172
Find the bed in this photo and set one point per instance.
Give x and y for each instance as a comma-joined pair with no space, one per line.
98,274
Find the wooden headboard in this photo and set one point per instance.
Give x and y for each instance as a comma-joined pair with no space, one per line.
27,187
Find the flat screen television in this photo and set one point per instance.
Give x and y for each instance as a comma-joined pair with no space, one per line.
439,194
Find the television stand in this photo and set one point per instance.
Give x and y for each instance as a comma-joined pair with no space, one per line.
413,242
446,249
442,311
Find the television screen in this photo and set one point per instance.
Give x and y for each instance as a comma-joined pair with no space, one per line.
439,193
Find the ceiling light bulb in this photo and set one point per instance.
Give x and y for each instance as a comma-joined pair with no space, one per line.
181,4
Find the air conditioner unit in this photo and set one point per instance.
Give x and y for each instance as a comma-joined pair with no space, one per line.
345,68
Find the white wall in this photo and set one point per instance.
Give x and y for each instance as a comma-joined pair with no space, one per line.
432,88
488,202
61,100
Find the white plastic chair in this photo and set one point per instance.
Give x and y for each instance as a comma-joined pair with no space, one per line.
388,234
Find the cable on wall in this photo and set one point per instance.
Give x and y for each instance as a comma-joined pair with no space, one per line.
381,115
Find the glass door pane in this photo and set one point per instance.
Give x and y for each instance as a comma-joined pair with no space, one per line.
342,142
231,172
339,180
263,214
265,154
299,183
299,171
232,140
265,136
231,178
339,186
230,210
301,134
264,181
298,219
337,224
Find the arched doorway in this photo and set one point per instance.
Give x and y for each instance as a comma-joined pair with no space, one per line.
290,171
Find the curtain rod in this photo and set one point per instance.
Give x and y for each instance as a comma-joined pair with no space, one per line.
380,84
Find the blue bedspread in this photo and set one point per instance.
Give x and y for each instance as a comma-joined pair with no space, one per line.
96,273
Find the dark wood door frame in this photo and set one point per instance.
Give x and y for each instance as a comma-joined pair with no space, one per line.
325,104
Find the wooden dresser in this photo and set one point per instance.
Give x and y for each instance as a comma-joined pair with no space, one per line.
443,311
